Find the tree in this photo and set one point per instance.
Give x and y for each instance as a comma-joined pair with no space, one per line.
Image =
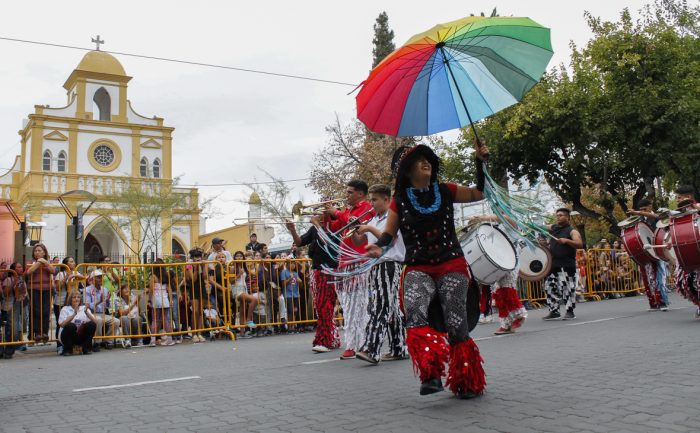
146,210
383,40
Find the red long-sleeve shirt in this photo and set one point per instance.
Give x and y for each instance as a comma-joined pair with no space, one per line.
342,218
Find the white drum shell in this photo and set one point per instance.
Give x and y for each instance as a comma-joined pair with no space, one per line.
489,253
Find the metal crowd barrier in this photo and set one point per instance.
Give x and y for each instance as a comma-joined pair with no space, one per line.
612,272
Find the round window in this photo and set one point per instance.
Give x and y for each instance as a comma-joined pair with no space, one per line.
104,155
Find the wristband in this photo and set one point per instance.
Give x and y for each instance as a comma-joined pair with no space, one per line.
480,176
385,240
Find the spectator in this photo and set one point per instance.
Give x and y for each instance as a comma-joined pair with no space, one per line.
65,280
126,308
14,293
78,326
110,277
245,301
263,250
211,318
3,275
39,277
196,289
217,246
289,279
253,245
160,301
169,279
97,299
216,280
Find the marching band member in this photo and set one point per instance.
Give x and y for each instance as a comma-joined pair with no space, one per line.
653,275
385,315
560,284
436,292
688,283
511,312
352,291
324,295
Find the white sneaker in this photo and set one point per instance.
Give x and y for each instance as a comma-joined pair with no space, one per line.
127,344
485,319
320,349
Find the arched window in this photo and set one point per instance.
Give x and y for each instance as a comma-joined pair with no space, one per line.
46,161
144,167
61,161
103,103
156,168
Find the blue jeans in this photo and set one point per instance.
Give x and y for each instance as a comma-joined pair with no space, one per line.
661,276
12,322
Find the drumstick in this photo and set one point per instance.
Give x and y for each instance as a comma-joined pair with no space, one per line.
649,246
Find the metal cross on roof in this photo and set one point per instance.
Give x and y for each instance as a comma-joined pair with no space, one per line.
98,42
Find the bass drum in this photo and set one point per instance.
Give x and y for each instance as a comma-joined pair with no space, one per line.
685,237
635,237
662,237
535,263
489,253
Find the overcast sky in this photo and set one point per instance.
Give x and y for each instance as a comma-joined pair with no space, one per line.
228,123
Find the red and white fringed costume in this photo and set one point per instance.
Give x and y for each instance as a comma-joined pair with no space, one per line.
651,289
324,298
688,285
511,313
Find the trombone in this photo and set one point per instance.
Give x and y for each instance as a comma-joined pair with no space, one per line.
299,210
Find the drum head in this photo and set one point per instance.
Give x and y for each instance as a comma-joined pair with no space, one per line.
496,246
535,263
629,221
647,237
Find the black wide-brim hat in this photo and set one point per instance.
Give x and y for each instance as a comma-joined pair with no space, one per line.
405,156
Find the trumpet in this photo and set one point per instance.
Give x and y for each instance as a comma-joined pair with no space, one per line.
301,209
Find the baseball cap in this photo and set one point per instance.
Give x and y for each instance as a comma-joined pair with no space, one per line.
216,240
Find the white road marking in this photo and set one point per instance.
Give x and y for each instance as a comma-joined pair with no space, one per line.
322,361
128,385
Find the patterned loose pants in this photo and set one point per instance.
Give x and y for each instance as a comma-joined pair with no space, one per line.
385,311
651,288
354,297
324,304
560,286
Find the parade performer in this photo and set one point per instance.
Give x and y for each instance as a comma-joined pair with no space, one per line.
688,283
560,284
385,315
653,274
324,295
511,312
352,290
436,284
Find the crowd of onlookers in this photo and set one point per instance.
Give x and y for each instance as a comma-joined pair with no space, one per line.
154,304
167,303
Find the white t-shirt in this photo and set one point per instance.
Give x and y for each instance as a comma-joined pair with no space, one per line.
398,251
210,313
79,318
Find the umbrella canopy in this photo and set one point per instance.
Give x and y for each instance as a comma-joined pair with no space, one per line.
454,74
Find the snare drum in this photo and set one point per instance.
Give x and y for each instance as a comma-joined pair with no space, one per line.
685,237
634,237
535,263
489,253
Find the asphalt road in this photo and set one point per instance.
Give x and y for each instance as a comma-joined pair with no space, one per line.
616,368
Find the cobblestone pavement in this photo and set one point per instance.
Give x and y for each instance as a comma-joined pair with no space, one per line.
616,368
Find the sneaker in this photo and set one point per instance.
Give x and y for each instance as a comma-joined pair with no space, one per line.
348,354
139,343
178,340
123,342
251,325
392,357
127,344
365,357
553,315
485,319
95,348
320,349
663,307
466,395
655,308
23,348
169,342
697,316
502,331
246,335
152,343
569,315
59,349
431,386
517,323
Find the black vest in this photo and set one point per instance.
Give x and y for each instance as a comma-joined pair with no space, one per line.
430,239
563,256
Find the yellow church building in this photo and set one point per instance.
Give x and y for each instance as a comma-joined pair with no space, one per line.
97,143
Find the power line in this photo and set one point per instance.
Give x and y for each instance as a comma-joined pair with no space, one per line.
187,62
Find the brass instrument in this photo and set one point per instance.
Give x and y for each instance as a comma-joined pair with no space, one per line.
312,209
353,225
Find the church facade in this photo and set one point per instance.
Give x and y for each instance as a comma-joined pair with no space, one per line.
97,143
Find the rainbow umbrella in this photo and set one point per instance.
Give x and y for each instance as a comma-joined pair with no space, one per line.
453,75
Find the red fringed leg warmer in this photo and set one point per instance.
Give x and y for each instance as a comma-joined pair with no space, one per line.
649,279
428,350
485,300
465,371
507,301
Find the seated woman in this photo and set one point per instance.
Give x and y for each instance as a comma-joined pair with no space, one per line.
77,325
126,307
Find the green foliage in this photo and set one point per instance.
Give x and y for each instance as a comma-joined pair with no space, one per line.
383,40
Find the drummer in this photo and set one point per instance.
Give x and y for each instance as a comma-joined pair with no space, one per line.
655,277
688,283
511,313
560,284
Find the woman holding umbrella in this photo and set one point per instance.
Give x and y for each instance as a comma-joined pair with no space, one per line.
436,271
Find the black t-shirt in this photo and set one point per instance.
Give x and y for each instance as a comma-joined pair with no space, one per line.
563,256
317,253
